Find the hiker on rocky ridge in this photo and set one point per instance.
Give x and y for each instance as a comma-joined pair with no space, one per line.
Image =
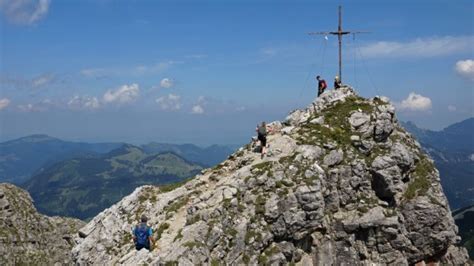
142,235
337,83
262,137
321,85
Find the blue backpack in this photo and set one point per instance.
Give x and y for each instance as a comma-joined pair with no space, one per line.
141,232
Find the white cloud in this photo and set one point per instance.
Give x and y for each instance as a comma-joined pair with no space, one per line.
95,72
266,54
205,103
166,83
123,94
203,100
197,56
19,82
47,102
197,109
31,108
150,69
171,102
83,103
415,102
26,107
24,12
465,68
42,80
40,106
240,109
4,103
471,157
269,51
138,70
451,108
421,47
211,105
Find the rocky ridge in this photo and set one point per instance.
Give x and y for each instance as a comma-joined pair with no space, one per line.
30,238
343,183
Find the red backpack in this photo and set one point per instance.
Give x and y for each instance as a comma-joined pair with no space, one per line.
324,86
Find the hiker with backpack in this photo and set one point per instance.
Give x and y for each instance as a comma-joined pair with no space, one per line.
262,137
321,85
142,235
337,83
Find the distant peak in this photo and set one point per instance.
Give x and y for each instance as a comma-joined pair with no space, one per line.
35,138
465,126
124,149
130,147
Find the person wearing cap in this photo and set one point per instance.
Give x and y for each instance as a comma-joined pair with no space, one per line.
321,85
142,235
337,82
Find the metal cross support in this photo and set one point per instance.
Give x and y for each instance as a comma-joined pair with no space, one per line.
339,34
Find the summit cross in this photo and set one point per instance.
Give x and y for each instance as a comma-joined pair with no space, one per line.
339,34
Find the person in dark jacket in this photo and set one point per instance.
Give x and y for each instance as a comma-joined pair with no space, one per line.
262,137
337,82
321,85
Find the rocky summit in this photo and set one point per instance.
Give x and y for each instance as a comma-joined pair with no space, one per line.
342,184
30,238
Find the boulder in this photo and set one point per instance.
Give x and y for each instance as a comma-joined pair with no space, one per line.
334,157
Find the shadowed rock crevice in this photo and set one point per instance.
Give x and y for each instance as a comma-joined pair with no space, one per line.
381,189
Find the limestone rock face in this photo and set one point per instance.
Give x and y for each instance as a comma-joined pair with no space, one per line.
30,238
343,183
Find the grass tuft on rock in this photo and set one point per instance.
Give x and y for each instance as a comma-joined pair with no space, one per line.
421,183
262,167
161,229
337,117
177,205
179,235
260,205
192,244
170,187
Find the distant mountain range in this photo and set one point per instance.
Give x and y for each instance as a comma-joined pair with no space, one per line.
453,152
81,179
457,137
22,158
82,187
207,157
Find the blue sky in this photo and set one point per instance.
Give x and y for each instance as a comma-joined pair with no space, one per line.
207,71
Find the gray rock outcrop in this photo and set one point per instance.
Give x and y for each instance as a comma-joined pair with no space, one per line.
343,184
30,238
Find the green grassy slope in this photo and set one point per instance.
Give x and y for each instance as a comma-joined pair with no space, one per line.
21,158
83,187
